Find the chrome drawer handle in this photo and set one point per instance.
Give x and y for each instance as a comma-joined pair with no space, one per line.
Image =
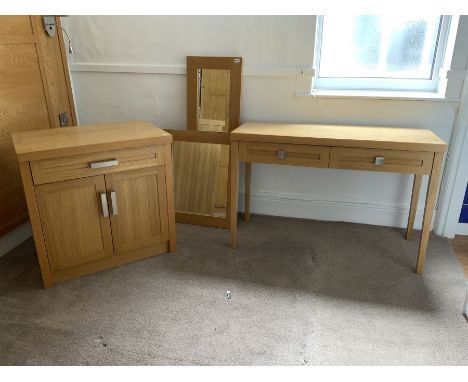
113,196
105,209
107,163
281,154
379,161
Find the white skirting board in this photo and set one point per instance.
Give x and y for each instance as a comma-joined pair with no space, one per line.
14,238
305,207
461,229
290,205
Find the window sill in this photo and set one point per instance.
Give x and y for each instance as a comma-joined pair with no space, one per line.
379,94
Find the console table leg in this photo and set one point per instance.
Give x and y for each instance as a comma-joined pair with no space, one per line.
428,210
234,163
414,204
248,180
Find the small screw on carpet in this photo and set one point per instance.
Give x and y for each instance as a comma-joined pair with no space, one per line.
228,294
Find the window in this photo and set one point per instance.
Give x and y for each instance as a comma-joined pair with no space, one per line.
379,52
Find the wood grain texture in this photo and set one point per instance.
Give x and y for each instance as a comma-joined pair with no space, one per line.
248,190
211,125
200,136
66,70
35,220
74,229
204,220
341,136
67,214
294,155
210,128
142,219
196,168
55,143
409,162
207,166
169,173
53,71
404,151
31,91
221,183
78,166
23,107
15,26
413,206
432,188
234,191
22,94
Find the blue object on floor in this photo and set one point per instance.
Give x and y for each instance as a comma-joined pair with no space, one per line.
464,210
465,200
464,214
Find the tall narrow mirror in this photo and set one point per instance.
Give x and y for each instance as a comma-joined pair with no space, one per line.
201,153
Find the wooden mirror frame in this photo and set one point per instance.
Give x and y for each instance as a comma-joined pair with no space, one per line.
191,134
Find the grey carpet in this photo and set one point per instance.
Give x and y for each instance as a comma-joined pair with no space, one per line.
303,293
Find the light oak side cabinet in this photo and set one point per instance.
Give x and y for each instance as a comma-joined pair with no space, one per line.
98,196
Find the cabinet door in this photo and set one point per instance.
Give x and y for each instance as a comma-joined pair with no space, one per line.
74,228
138,208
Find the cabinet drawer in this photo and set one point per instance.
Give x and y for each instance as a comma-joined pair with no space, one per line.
287,154
413,162
83,165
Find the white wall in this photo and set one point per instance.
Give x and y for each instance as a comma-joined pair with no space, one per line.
122,44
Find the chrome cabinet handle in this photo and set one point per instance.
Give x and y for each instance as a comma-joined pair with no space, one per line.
105,209
378,161
107,163
281,154
114,207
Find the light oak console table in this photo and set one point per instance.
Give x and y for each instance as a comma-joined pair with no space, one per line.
400,150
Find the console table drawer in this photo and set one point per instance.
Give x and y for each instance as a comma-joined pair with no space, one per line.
413,162
287,154
84,165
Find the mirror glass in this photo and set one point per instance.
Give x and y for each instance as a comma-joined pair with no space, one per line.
201,178
213,99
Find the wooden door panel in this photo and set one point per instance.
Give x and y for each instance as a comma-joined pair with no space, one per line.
23,107
22,98
75,231
141,218
15,25
34,89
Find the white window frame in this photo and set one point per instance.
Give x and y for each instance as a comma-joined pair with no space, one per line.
382,84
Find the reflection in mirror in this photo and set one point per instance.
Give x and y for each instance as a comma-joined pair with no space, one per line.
201,178
213,99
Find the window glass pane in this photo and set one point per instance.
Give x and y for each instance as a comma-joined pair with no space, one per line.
378,46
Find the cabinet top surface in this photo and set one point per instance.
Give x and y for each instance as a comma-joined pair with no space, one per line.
53,143
340,135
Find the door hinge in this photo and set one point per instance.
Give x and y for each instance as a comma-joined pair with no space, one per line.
63,118
49,25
